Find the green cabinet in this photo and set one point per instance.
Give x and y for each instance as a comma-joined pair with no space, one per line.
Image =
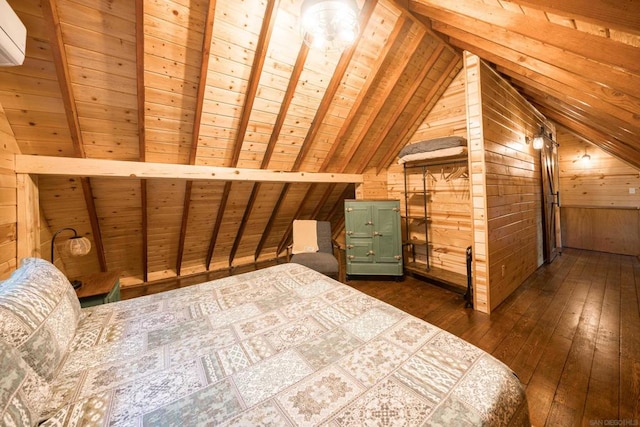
373,239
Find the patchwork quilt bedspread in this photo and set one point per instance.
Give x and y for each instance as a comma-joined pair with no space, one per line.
280,346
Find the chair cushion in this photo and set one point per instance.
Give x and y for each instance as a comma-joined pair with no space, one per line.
320,261
23,393
39,313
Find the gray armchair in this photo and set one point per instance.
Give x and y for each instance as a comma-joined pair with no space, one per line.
325,260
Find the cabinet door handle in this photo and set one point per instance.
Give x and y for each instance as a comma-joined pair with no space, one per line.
397,257
349,233
375,233
368,223
370,253
351,256
349,246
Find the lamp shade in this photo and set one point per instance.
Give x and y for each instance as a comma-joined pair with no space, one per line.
538,142
78,246
329,24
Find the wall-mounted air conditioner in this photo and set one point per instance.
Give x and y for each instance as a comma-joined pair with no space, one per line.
13,36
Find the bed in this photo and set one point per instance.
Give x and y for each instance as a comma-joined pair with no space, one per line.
430,149
279,346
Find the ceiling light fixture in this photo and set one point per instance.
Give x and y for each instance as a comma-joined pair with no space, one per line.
538,139
329,24
586,158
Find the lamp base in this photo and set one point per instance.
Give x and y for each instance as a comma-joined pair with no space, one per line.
76,284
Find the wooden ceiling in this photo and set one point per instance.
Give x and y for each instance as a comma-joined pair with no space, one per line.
576,61
229,83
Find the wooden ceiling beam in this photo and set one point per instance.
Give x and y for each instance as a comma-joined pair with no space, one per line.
392,71
264,38
597,48
596,119
260,54
401,25
71,166
377,141
418,115
52,18
323,200
602,140
142,145
272,218
621,15
202,80
327,99
244,221
195,135
474,31
298,67
95,224
334,84
570,95
501,55
218,224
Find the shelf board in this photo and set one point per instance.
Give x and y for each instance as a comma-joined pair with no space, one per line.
453,281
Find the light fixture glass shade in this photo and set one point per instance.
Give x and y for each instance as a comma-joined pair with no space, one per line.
78,246
329,24
538,142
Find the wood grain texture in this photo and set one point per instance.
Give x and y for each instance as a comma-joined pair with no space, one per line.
215,83
8,203
505,182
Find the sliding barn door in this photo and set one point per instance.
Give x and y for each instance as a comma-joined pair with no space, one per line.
551,200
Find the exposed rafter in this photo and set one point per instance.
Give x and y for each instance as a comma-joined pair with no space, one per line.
393,70
330,92
402,25
275,135
623,15
264,38
142,146
453,66
375,144
541,56
597,48
50,10
195,135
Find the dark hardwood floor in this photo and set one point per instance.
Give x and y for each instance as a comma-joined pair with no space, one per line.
571,333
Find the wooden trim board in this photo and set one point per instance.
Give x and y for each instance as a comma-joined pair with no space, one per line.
66,166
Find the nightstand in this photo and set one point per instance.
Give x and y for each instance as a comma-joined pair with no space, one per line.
99,288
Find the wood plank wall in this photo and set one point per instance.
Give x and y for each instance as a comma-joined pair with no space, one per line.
600,199
449,203
28,213
8,198
506,184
